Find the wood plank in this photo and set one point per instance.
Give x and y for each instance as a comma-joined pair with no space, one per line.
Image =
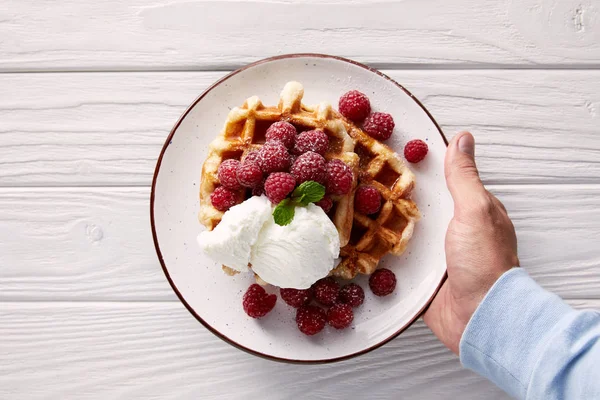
137,34
108,128
96,244
158,350
557,246
78,244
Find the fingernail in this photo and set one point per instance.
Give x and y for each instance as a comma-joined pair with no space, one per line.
466,144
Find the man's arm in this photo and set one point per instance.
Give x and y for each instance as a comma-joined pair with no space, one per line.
506,328
531,344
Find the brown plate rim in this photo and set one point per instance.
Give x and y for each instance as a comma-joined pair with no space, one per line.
155,238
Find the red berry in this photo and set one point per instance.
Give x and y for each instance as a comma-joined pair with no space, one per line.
223,199
415,150
310,166
382,282
295,297
282,131
325,203
278,185
367,200
316,141
352,294
310,319
340,316
259,189
354,105
326,291
252,156
273,157
379,126
249,174
256,302
227,174
339,177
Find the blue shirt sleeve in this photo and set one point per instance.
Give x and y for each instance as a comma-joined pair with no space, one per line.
531,344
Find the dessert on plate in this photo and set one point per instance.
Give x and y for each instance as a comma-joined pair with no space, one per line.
298,194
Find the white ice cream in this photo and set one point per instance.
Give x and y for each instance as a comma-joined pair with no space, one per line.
298,254
291,256
231,241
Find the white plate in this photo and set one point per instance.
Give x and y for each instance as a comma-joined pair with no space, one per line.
215,298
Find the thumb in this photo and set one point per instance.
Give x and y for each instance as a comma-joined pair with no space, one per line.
462,177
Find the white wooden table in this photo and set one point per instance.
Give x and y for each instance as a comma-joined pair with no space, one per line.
89,91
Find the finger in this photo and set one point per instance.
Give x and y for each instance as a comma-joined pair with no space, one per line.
433,312
436,318
462,177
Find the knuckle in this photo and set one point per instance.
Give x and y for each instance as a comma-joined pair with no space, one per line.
465,167
497,202
482,205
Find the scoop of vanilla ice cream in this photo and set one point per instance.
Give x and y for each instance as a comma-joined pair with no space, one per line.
298,254
231,241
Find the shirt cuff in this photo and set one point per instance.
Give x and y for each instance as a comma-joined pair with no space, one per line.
509,330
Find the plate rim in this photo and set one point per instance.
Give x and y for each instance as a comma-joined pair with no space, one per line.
155,237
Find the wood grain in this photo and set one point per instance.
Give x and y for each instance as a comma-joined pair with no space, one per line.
158,350
53,241
96,244
183,34
108,128
85,310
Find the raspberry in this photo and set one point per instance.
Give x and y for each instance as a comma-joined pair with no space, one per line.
310,166
282,131
256,302
259,189
310,319
316,141
340,316
326,291
249,174
278,185
227,174
379,126
354,105
339,177
367,200
352,294
295,297
382,282
325,203
273,157
223,199
252,156
415,150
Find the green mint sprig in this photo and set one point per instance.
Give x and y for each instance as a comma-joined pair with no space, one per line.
307,192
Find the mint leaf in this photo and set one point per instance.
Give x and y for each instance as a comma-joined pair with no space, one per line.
308,192
283,214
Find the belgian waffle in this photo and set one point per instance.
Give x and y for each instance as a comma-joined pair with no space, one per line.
388,231
364,239
245,130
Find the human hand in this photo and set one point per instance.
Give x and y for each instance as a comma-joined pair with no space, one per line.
480,245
